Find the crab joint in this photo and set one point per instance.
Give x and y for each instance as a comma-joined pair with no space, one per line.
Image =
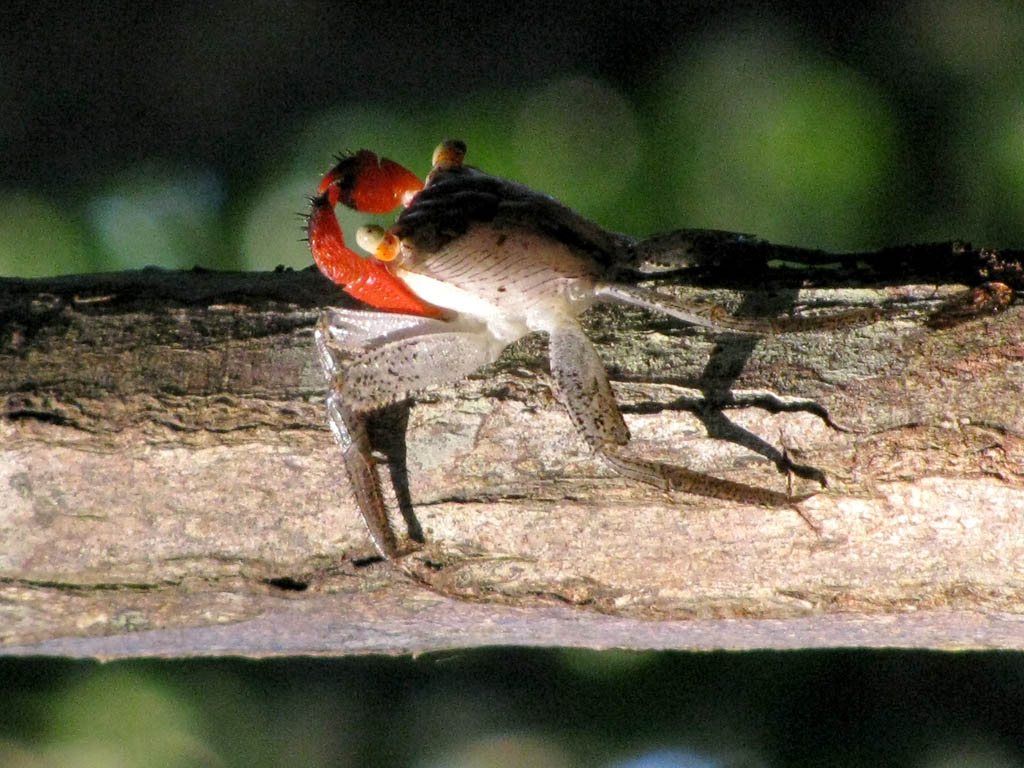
382,244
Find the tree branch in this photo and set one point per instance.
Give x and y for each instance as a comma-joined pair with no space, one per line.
168,484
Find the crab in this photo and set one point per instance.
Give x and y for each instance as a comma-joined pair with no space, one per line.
473,263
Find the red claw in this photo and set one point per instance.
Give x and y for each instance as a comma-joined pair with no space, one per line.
362,183
368,184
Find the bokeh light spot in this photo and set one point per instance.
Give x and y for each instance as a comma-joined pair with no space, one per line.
39,238
155,214
760,137
578,139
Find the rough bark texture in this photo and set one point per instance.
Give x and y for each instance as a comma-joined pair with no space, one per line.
168,484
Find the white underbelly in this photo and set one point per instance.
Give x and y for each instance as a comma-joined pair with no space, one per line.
506,326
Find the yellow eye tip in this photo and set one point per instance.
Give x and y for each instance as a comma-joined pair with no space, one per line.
376,240
449,154
369,237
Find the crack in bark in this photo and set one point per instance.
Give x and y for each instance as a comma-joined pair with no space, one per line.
75,587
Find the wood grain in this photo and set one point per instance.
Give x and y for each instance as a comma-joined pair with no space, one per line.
168,485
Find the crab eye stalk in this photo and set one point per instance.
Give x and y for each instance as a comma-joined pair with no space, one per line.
384,245
369,237
449,154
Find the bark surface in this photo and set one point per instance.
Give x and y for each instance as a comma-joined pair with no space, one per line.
168,484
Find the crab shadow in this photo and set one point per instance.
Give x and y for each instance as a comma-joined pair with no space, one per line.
387,429
728,358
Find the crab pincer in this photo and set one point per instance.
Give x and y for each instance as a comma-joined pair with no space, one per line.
369,184
363,182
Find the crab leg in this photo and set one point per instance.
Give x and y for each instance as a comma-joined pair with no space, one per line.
428,352
366,184
583,388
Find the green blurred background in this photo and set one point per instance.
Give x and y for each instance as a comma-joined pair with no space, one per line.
191,133
511,708
182,134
